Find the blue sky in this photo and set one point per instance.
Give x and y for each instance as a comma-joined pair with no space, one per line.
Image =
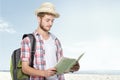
90,26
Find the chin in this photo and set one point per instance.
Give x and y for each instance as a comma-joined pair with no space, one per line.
47,29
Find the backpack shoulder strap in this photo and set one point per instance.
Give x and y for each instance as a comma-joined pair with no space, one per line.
33,43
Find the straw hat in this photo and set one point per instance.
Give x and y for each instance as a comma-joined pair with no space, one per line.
47,7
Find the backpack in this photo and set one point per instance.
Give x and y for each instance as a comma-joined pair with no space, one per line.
16,63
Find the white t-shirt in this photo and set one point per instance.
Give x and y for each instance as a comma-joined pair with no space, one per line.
50,55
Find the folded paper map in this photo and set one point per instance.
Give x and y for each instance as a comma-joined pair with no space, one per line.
65,64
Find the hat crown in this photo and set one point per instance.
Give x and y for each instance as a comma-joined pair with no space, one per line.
47,7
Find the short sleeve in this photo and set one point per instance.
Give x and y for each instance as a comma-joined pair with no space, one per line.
25,49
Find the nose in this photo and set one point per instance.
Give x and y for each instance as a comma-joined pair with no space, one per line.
51,23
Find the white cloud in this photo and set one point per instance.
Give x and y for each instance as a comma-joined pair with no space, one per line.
6,27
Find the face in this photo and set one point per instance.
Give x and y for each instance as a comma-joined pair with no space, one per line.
46,22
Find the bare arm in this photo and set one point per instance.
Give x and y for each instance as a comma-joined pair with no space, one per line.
34,72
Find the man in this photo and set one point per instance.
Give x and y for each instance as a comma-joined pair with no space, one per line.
48,48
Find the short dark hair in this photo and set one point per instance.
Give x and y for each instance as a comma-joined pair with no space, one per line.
42,14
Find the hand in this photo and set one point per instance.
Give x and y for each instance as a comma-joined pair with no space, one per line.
75,67
50,72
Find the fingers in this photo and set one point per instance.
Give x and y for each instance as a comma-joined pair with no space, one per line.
50,72
75,67
53,69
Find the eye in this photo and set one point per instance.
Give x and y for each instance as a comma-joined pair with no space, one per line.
47,20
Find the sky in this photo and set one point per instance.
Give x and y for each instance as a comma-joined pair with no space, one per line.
90,26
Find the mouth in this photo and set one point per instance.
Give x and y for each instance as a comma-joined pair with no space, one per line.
49,26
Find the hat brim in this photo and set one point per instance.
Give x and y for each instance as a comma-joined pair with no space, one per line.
46,11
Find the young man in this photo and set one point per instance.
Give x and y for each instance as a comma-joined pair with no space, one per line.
48,48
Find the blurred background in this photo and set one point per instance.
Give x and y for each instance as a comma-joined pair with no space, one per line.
90,26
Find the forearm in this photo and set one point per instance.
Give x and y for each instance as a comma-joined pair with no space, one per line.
32,71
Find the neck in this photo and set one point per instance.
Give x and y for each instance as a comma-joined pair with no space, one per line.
44,34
